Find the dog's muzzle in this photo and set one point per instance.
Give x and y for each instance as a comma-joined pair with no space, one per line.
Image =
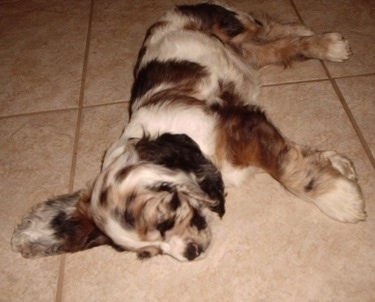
192,251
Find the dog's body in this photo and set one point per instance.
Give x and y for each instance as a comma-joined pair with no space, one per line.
192,130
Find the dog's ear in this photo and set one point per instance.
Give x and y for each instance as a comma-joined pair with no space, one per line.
59,225
180,152
197,197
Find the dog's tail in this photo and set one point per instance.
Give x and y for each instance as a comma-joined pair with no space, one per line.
59,225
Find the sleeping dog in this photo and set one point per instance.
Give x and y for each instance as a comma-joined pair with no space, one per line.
193,130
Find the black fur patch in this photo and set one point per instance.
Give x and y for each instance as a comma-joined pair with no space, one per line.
165,226
198,221
175,151
175,202
179,151
144,255
64,226
212,15
129,219
103,197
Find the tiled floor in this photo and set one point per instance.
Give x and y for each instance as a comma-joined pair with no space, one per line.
65,76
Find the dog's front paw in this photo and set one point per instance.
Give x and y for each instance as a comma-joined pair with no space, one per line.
148,252
338,48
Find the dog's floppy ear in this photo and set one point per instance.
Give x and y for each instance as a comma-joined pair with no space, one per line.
180,152
59,225
197,197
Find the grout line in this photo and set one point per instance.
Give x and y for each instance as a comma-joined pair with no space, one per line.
343,102
350,115
293,83
60,281
60,110
355,76
105,104
296,11
318,80
36,113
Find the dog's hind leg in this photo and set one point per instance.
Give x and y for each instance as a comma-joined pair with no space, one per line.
262,41
326,178
328,46
270,29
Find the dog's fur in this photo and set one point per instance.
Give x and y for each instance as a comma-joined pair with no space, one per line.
192,130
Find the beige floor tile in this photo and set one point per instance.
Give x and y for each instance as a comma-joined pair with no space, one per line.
359,93
314,106
280,9
101,126
301,71
41,55
35,159
117,35
355,20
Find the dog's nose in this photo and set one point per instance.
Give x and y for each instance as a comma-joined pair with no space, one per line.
192,251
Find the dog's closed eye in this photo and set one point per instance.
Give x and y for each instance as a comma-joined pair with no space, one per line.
198,221
165,226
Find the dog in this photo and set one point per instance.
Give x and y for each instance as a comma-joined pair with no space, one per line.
193,130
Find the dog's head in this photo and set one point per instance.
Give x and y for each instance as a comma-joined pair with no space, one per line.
155,196
152,197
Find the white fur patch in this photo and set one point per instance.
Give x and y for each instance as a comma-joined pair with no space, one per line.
175,247
192,121
127,239
338,49
343,202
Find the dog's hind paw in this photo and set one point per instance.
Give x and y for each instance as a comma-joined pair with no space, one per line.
338,48
342,200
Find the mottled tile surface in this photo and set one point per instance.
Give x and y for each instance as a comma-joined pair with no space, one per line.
60,109
359,93
41,55
101,126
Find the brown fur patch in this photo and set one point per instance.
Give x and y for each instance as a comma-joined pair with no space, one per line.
183,76
246,138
